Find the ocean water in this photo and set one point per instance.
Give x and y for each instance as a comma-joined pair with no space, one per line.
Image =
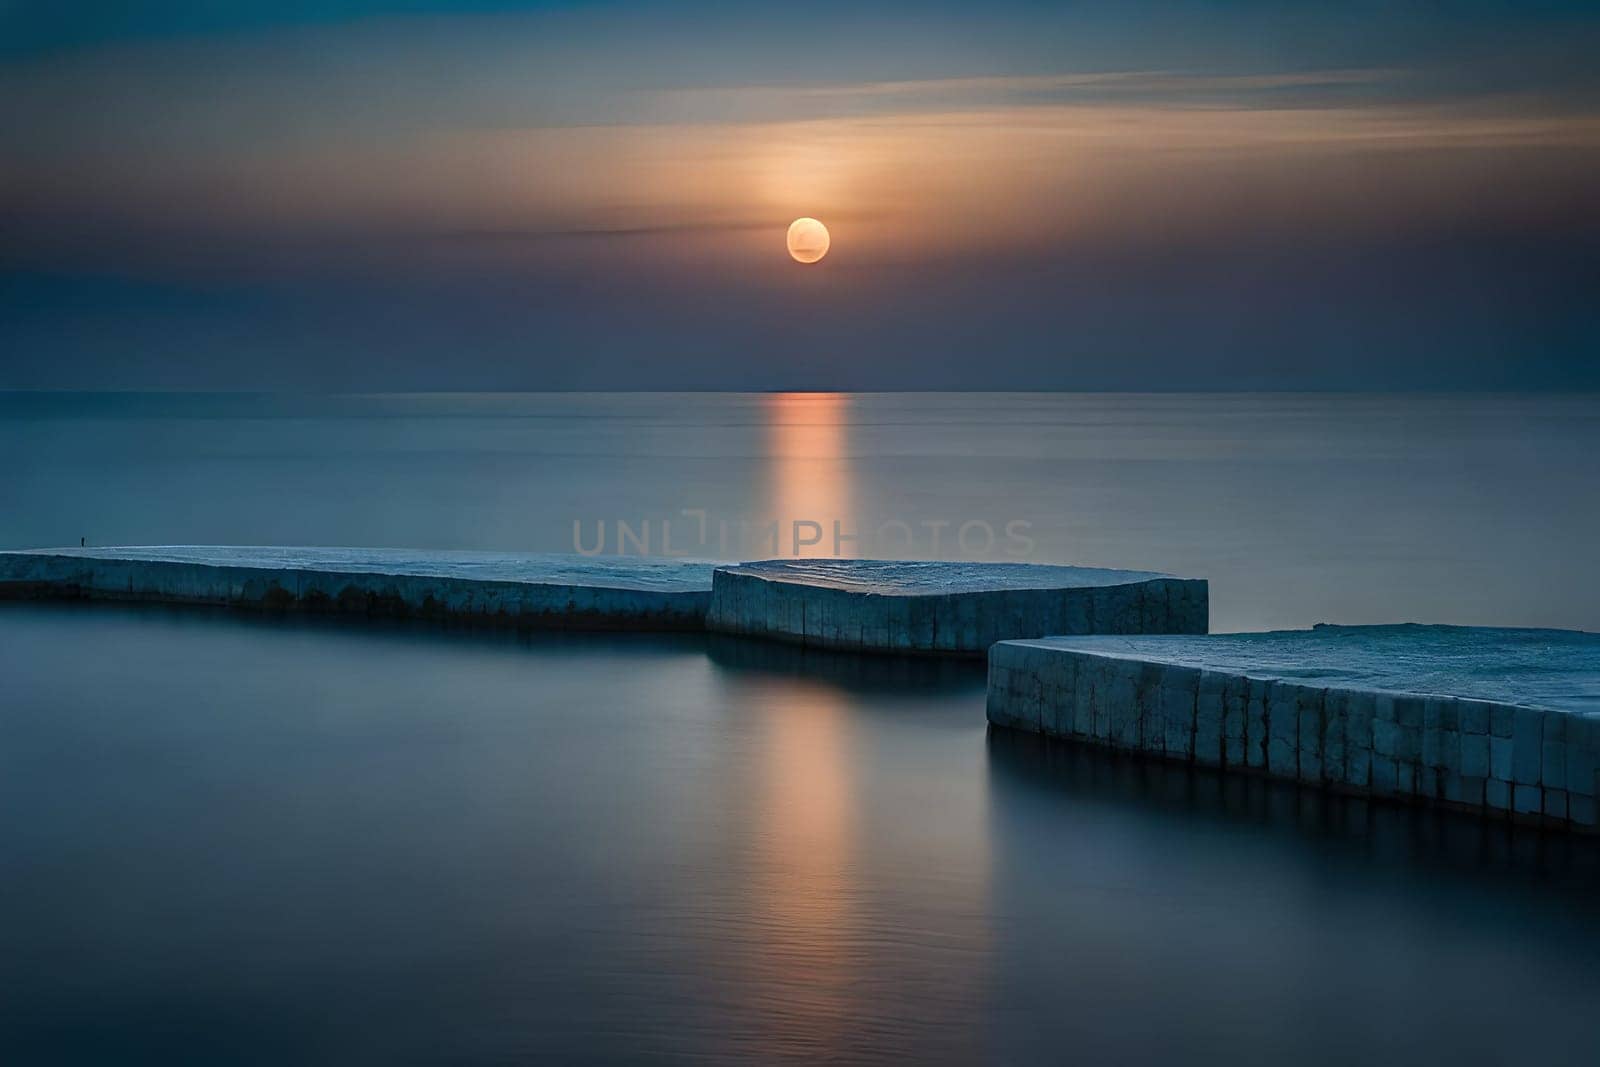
230,839
238,839
1298,508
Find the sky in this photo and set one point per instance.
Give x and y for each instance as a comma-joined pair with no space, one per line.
375,195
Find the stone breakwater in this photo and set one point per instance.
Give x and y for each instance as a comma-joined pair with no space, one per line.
1504,723
533,592
1501,722
859,605
946,608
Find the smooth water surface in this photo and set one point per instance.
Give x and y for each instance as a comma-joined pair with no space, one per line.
232,839
226,839
1300,509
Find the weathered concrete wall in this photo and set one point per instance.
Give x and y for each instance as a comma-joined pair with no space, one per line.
860,605
874,606
1491,757
520,603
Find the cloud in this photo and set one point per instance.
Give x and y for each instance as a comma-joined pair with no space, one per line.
602,230
1117,84
492,136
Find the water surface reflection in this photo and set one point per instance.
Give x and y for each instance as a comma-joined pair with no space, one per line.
810,476
1221,918
826,974
233,839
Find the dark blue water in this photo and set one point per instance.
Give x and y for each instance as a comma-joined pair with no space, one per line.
229,839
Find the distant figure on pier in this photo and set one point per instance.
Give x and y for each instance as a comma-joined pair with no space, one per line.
83,542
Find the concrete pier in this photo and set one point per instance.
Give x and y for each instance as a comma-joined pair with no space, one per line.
942,608
532,591
1504,723
945,608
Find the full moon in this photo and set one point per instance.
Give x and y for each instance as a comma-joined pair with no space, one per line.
808,240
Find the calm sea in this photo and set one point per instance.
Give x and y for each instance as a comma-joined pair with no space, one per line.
1298,508
234,839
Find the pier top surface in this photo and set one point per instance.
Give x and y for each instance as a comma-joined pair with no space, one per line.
934,577
614,572
1556,669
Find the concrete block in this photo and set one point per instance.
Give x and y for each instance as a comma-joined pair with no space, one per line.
1554,727
1431,753
1555,804
528,591
898,612
1527,800
1123,700
1358,768
1152,721
1553,752
1449,746
1500,752
1056,713
1235,696
1083,724
1209,715
1385,776
1335,714
1502,719
1312,725
1113,696
1360,707
1179,697
1527,754
1283,742
1582,764
1001,702
919,615
1408,735
1553,764
1256,725
1092,690
946,607
1386,738
1474,716
1581,810
874,634
1450,787
1309,733
1446,714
